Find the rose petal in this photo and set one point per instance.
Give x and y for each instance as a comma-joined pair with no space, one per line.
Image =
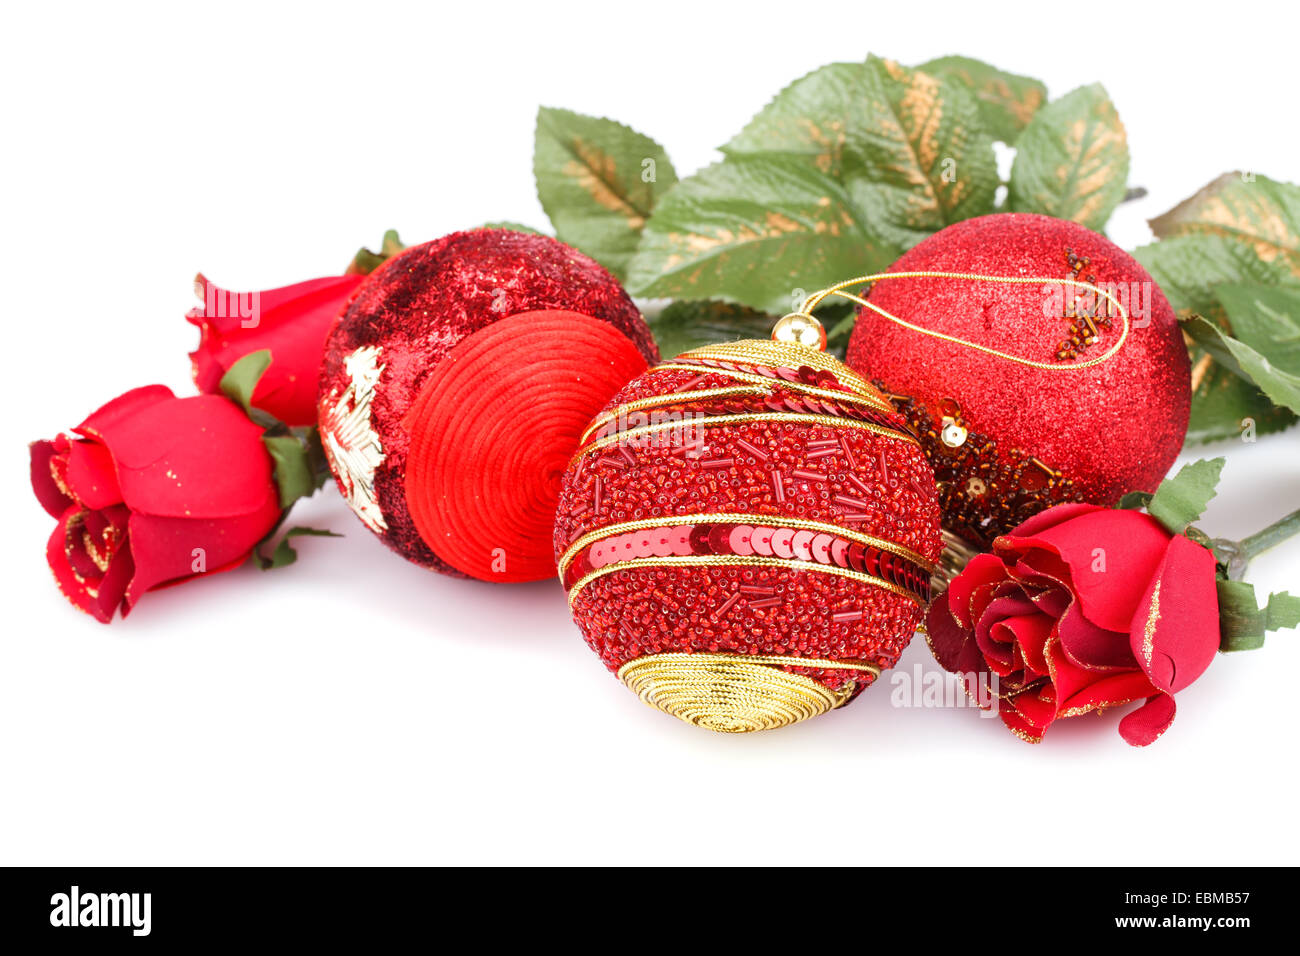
1020,725
1039,568
1049,518
1079,691
113,585
91,476
981,570
1131,545
197,457
44,486
952,645
123,407
292,322
1145,725
1036,706
77,588
1030,633
1090,646
1174,631
166,549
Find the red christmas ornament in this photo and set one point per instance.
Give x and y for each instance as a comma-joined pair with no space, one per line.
746,535
454,387
1101,407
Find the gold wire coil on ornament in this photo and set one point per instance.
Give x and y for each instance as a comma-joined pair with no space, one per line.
734,694
839,289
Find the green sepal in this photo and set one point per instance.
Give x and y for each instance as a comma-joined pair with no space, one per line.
1242,623
1180,500
284,553
293,474
366,262
296,454
1135,500
240,381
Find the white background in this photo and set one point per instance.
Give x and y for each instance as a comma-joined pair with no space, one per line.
354,708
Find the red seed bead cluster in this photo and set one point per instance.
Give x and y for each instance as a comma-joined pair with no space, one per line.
820,475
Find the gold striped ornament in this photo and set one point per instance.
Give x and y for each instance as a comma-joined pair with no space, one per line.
795,537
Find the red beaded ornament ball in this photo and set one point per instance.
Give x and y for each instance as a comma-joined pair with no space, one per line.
1093,402
454,387
747,534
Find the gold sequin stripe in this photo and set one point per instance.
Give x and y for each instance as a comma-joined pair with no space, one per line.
712,420
877,402
770,354
739,561
673,398
736,693
773,521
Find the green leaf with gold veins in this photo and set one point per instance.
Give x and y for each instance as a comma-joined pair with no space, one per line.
1072,160
1189,270
1007,101
911,148
1260,212
818,116
756,230
598,180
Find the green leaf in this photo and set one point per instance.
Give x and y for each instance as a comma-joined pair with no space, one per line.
598,180
754,230
1281,387
1007,101
910,148
1242,623
1265,318
513,227
1072,160
1189,269
1261,213
284,553
685,325
1224,404
1180,500
366,262
818,117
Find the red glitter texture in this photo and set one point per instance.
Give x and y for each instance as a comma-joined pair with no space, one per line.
635,612
418,305
1110,428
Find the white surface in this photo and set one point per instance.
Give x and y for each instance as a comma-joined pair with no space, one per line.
354,708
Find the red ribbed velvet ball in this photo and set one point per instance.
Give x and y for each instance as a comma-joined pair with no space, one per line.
1007,440
541,330
737,508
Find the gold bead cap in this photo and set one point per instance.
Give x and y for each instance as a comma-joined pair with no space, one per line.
735,694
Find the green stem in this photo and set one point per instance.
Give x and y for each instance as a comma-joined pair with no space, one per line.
1276,533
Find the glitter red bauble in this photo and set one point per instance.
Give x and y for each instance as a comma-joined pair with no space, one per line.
1007,440
742,506
484,353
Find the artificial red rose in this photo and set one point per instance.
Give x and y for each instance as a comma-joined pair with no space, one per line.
152,490
1078,609
292,322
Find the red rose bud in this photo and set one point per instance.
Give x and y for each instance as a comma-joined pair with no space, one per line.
152,490
292,322
1078,609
